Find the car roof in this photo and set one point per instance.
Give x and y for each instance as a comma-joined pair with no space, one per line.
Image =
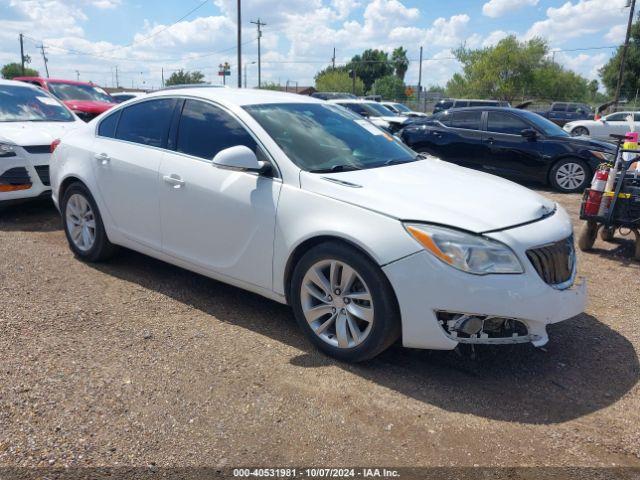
16,83
488,107
56,80
351,100
237,96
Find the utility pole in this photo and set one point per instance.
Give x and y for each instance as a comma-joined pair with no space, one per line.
259,24
420,77
117,80
333,59
78,75
623,57
239,45
162,73
44,58
22,52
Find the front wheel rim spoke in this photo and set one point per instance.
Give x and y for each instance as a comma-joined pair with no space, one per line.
323,327
363,313
315,313
353,328
319,279
341,331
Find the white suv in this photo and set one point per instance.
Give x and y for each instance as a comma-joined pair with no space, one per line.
305,203
30,119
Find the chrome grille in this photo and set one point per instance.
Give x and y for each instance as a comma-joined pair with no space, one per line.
554,262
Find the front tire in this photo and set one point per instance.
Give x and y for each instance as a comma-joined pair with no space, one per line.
569,175
83,225
344,303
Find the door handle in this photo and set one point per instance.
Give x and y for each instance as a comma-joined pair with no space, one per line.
103,158
491,140
173,180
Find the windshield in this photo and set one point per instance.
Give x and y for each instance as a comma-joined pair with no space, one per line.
26,104
324,137
401,107
381,109
545,126
69,91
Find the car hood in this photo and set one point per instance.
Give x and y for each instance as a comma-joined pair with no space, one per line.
394,119
589,143
26,134
434,191
89,106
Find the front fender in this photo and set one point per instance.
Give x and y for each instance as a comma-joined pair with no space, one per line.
303,215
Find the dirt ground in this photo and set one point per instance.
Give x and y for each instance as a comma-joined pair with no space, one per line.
136,362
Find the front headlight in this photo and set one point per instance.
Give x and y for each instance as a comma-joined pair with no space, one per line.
7,150
464,251
603,156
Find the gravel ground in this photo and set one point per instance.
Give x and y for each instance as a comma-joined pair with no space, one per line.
136,362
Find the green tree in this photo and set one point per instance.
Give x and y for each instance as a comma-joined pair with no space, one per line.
185,78
12,70
631,77
400,62
390,88
370,66
503,71
513,70
338,80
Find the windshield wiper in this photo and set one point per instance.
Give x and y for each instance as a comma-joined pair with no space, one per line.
336,168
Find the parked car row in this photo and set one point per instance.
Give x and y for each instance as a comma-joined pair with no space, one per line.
307,203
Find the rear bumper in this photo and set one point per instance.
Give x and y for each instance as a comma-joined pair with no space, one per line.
424,285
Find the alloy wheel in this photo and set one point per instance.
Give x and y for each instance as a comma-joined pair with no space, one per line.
81,222
570,176
337,303
579,132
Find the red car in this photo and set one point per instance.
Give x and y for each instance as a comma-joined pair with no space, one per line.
85,99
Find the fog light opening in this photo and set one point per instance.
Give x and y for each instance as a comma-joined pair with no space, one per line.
474,328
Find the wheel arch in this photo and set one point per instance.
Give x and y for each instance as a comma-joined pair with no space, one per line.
581,126
67,182
309,243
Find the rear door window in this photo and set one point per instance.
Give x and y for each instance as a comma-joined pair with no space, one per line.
147,123
502,122
466,119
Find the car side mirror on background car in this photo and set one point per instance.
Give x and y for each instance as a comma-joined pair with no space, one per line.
529,133
241,158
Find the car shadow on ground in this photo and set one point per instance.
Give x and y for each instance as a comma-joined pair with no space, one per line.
32,216
586,367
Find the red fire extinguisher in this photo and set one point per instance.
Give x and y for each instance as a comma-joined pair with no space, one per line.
594,198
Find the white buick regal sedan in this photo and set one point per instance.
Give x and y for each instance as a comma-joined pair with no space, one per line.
308,204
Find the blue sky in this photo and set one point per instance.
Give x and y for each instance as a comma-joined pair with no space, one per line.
141,37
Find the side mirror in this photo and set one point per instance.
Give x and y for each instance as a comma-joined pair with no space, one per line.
240,158
529,133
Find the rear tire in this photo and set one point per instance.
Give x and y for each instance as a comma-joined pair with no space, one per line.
83,225
607,234
580,132
569,175
344,303
587,236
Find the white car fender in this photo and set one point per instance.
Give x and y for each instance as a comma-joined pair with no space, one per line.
308,215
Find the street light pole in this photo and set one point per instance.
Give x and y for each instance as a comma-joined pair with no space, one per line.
239,44
623,57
